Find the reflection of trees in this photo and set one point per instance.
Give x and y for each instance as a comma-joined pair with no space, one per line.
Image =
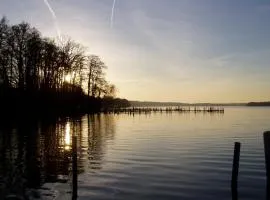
56,160
100,128
20,165
34,152
58,149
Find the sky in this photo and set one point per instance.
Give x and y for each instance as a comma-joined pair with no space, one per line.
166,50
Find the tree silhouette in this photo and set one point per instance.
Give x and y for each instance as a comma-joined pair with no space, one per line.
44,71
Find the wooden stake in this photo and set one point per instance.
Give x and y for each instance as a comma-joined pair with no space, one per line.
74,168
235,168
266,137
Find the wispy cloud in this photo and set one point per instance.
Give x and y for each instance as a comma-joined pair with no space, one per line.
54,18
200,52
112,14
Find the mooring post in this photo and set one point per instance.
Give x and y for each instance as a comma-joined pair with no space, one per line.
74,168
266,138
235,168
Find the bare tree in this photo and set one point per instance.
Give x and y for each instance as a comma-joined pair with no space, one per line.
96,76
4,31
32,63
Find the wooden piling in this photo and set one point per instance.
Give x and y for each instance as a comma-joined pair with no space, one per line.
235,168
266,138
74,169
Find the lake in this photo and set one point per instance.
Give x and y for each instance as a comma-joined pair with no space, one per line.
154,156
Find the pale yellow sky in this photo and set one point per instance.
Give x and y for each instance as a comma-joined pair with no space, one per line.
166,50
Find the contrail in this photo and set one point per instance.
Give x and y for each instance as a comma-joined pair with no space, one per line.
54,18
112,15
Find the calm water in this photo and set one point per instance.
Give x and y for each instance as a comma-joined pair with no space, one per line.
157,156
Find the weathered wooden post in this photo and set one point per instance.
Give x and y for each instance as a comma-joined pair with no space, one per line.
266,138
235,168
74,168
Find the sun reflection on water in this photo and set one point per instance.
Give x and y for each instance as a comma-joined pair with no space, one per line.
67,136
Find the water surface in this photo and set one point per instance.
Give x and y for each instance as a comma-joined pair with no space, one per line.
157,156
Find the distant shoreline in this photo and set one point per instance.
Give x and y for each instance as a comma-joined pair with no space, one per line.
156,104
258,104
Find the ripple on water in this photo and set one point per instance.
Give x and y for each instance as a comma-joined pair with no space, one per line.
176,156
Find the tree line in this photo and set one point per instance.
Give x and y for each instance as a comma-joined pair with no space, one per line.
45,71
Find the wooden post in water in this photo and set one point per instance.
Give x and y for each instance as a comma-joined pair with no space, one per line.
266,138
74,168
235,168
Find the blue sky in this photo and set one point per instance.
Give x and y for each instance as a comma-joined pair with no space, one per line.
167,50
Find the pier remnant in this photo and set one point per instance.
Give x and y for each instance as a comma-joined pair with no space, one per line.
235,170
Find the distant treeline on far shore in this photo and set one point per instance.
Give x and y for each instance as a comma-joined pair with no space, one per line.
266,103
40,74
161,104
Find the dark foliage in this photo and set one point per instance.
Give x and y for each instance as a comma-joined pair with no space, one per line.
41,75
266,103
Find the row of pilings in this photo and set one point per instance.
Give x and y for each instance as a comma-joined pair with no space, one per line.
178,109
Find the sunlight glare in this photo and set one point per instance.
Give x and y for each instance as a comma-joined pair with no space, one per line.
68,78
67,136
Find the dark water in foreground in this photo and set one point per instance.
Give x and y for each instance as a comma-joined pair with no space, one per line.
158,156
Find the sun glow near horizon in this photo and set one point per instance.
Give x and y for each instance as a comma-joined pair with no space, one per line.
67,78
168,50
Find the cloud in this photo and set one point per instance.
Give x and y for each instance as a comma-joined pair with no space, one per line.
54,18
155,46
112,13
